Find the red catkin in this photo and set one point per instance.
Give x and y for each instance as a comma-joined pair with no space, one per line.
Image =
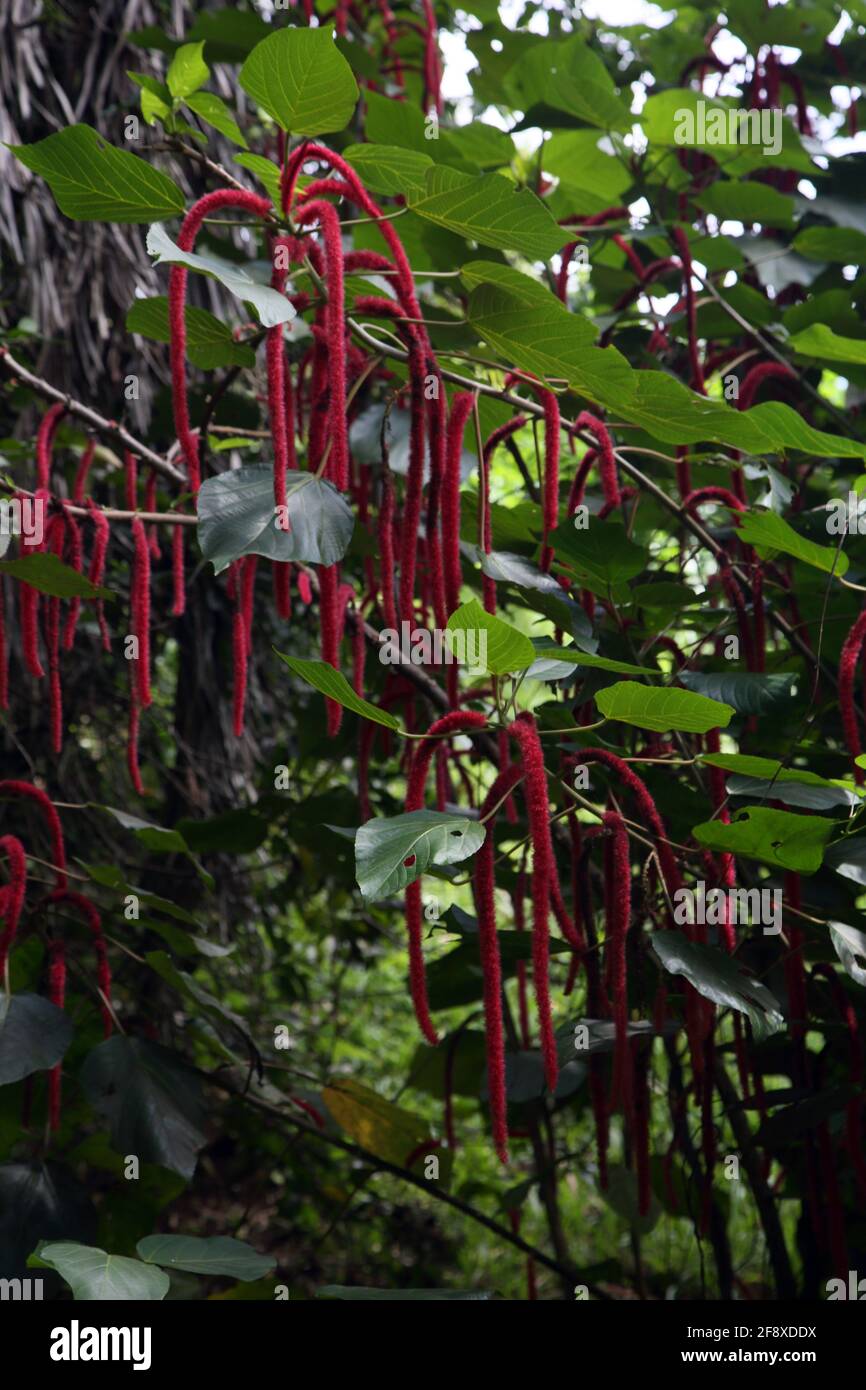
525,732
484,893
305,591
13,896
617,918
851,649
178,579
458,721
325,213
461,409
140,610
133,728
329,576
607,469
96,571
192,222
43,801
45,444
82,472
764,371
91,918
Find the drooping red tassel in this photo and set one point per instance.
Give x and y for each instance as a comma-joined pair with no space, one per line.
525,732
82,472
96,571
133,729
13,896
326,214
305,592
484,893
329,578
617,874
764,371
178,606
43,801
461,409
458,721
91,918
45,444
646,806
74,558
851,649
140,610
282,580
192,222
607,469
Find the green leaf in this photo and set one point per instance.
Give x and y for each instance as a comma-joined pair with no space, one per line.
843,245
302,80
96,1277
540,335
767,768
335,686
187,71
206,1255
47,573
380,1127
602,557
774,837
151,1099
502,648
215,112
768,532
719,978
356,1293
747,202
270,306
265,170
848,858
39,1201
94,182
746,691
388,168
155,97
568,76
792,793
34,1034
662,709
686,119
209,343
236,517
391,852
577,657
820,341
490,210
850,946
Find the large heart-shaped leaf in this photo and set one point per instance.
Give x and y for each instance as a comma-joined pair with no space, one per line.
490,210
601,557
237,517
302,80
206,1255
388,168
791,792
769,532
39,1201
774,837
495,645
848,857
746,691
393,851
94,182
209,343
96,1277
151,1099
719,977
381,1127
34,1034
334,685
850,946
46,572
662,709
270,306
